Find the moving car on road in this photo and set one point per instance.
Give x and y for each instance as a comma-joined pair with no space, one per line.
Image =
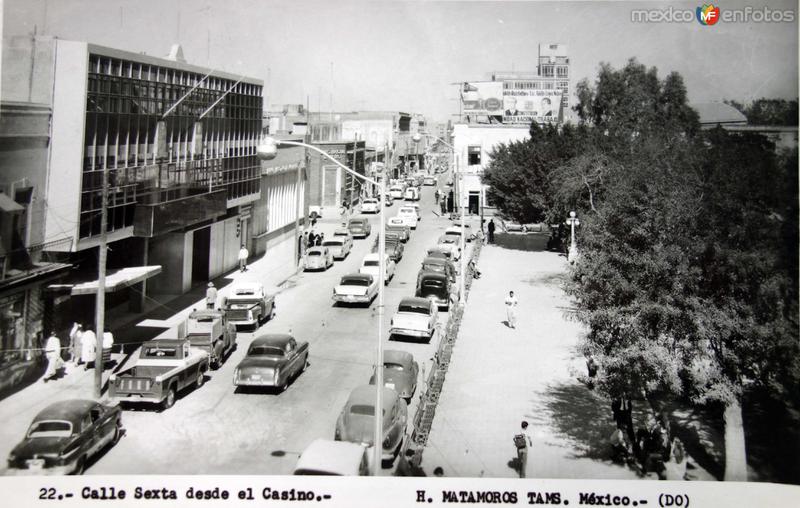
249,304
333,458
356,288
338,246
429,180
370,205
272,360
398,225
415,317
318,258
356,423
437,287
399,373
411,194
408,215
65,436
359,228
164,368
371,266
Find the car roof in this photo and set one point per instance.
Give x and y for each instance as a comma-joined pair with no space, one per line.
428,274
357,220
372,256
397,356
335,457
332,240
253,286
272,339
415,300
316,247
341,231
357,276
70,410
365,395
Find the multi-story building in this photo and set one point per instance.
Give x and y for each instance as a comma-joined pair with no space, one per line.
176,143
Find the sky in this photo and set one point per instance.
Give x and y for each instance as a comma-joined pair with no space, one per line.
347,55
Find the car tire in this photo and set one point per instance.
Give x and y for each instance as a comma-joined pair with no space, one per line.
117,432
201,378
80,466
169,401
272,313
305,364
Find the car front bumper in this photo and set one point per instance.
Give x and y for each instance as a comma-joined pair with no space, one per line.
44,471
352,298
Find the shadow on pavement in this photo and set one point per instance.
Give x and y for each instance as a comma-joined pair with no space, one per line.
772,435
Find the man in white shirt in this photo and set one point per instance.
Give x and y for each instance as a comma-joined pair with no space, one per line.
243,255
511,309
52,351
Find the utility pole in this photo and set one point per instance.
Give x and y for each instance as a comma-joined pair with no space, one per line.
100,301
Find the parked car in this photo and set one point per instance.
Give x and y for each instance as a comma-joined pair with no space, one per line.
438,264
371,266
436,286
359,228
398,225
211,331
333,458
440,251
370,205
356,288
453,243
416,208
272,360
399,373
393,247
458,231
396,191
345,235
429,180
408,215
411,194
248,304
317,258
338,247
165,367
64,437
415,317
356,421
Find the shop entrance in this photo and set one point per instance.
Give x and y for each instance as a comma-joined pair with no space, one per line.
474,203
201,247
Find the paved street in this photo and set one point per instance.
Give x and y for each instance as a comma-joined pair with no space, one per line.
216,431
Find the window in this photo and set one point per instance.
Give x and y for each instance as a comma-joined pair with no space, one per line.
474,155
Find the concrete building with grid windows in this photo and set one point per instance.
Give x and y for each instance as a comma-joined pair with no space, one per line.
177,143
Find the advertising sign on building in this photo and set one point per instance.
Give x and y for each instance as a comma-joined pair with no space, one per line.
482,98
526,101
288,159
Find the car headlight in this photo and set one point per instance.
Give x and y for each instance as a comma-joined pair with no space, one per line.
158,379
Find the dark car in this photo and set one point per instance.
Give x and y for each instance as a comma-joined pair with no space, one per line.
64,437
359,228
399,373
393,247
438,264
436,286
272,361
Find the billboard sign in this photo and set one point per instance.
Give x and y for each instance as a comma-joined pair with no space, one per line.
528,101
482,98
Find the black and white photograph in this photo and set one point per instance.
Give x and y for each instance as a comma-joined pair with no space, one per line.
549,240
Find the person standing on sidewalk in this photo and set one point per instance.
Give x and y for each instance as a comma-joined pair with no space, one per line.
436,196
511,309
490,227
88,344
243,255
52,351
75,336
523,441
211,296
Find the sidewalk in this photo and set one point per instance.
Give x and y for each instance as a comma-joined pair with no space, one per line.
499,377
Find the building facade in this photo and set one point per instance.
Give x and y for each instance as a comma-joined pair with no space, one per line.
329,185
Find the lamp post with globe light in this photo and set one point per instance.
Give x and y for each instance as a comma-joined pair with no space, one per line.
417,137
573,248
267,150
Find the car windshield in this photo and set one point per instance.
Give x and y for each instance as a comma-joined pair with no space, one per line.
407,211
393,366
364,410
414,309
332,243
341,233
265,351
432,284
371,262
355,281
372,201
436,267
160,352
50,428
448,239
356,223
314,253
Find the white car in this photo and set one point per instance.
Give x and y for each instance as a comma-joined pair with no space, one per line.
333,458
396,191
371,264
458,231
356,288
370,205
411,194
451,242
339,246
415,317
408,214
416,208
429,180
318,258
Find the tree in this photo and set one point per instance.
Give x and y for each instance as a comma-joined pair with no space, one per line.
768,111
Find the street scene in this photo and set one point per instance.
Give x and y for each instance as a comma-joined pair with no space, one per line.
226,241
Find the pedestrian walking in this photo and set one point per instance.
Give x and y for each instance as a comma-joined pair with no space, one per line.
75,336
211,296
52,351
243,255
511,309
523,441
108,344
443,204
491,227
88,345
436,196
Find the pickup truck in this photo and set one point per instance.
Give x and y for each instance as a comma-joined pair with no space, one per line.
164,368
415,317
210,331
249,305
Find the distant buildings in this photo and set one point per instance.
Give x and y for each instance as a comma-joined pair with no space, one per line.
719,114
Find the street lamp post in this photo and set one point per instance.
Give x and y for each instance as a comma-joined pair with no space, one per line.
268,149
573,248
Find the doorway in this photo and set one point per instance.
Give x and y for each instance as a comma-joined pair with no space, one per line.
474,203
201,247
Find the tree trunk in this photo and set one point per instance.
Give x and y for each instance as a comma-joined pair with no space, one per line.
735,454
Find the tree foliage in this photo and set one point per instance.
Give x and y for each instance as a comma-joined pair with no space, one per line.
768,111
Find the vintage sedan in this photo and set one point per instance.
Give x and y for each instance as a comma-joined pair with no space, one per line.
393,247
438,264
398,225
408,214
345,235
356,422
396,191
370,205
436,286
359,228
429,180
338,246
318,258
272,360
415,317
65,436
399,373
333,458
453,243
371,266
356,288
438,251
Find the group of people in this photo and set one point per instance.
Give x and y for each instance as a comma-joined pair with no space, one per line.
80,351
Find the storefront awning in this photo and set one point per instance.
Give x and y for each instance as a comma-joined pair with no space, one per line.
114,281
